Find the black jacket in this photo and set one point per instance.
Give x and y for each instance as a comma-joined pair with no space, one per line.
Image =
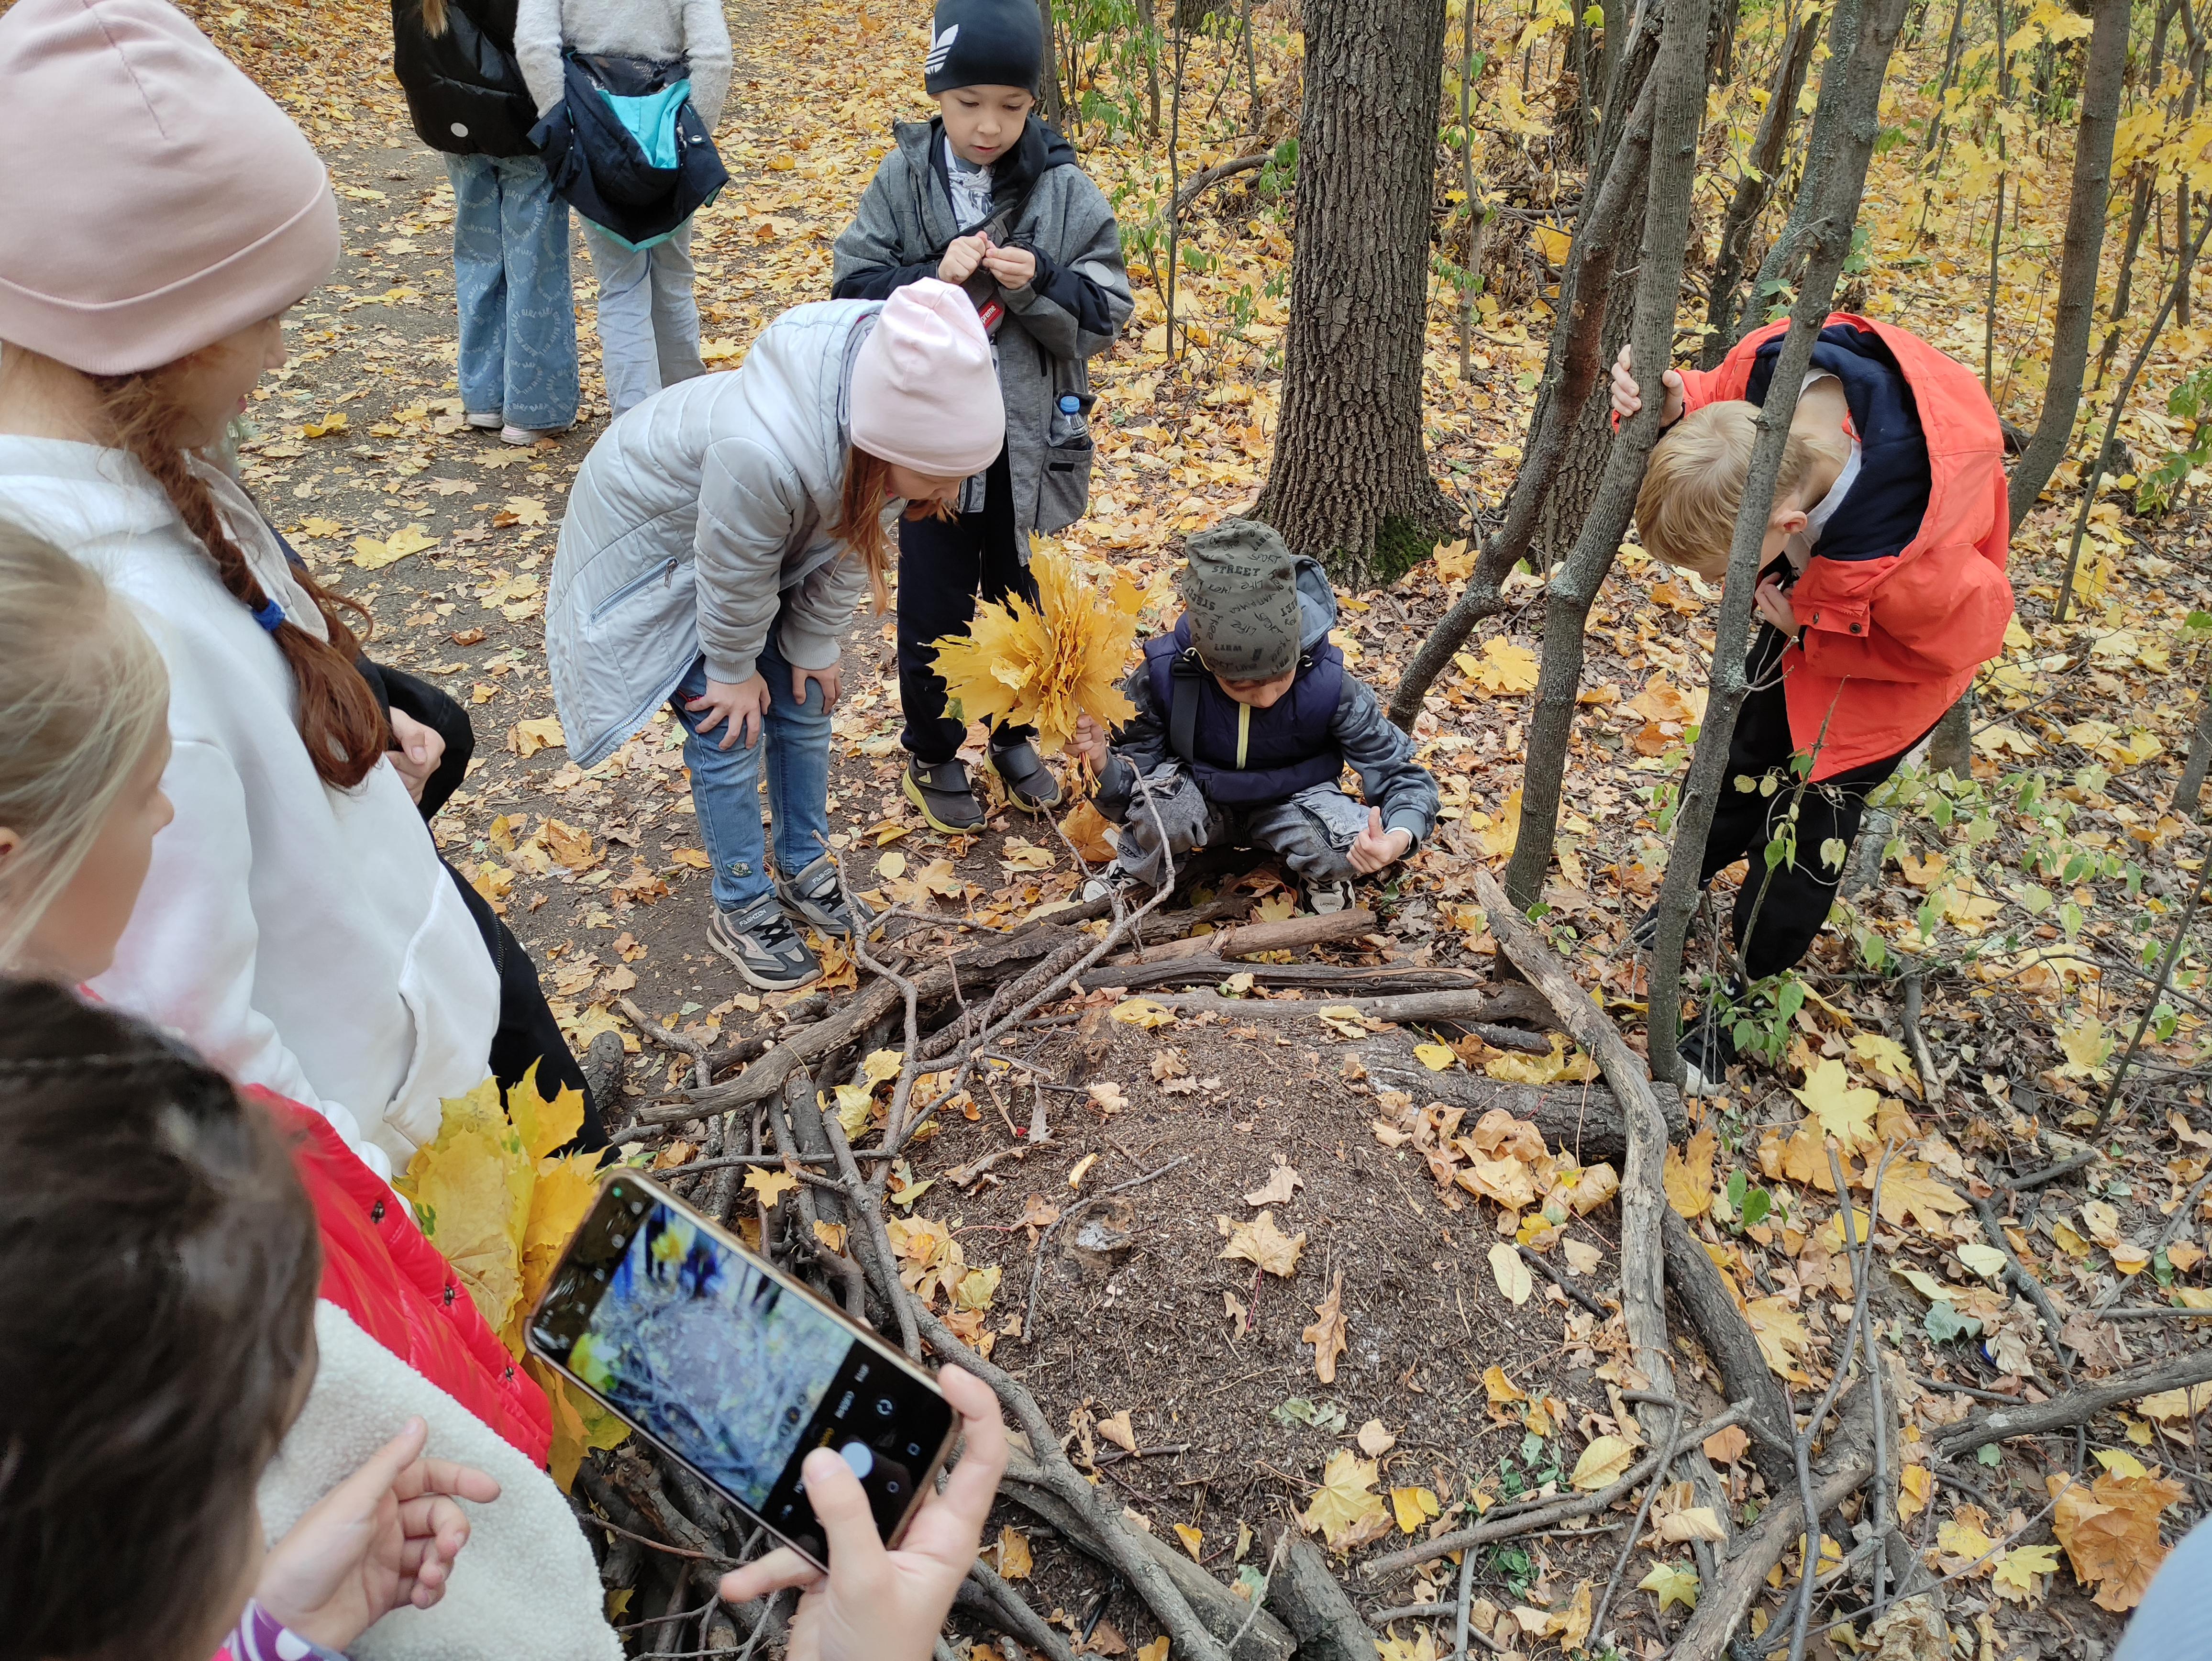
602,171
463,88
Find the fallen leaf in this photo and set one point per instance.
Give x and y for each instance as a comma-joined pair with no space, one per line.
1158,1649
2110,1532
770,1185
1671,1585
1192,1542
1346,1504
1414,1506
1015,1558
1143,1012
1985,1260
1689,1175
2020,1570
1583,1257
527,737
1116,1430
2168,1405
1438,1058
1500,1389
1727,1445
1278,1187
1106,1096
1042,666
1327,1334
1082,1169
1602,1464
1260,1242
1842,1109
1502,668
1511,1272
1782,1336
1374,1440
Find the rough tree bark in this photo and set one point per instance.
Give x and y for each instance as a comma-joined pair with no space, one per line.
1678,106
1845,127
1570,371
2101,84
1351,483
1756,184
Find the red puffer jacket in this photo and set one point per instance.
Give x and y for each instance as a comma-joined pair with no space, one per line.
399,1288
1885,646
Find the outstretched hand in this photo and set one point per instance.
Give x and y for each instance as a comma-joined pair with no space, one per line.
1374,846
876,1604
383,1539
1628,397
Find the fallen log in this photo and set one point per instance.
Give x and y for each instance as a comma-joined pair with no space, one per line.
1370,980
1698,1287
1246,940
2074,1406
1313,1605
1459,1007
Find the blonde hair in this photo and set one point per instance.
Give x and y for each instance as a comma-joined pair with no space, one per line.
82,695
1693,485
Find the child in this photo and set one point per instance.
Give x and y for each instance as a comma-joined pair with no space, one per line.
648,314
1246,719
1881,589
84,742
717,540
299,929
989,196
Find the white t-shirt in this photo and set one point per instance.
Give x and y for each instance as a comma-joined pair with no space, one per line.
971,188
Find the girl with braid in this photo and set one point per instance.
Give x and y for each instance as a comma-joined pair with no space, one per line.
297,926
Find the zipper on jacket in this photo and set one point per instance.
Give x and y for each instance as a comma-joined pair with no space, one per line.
1243,731
665,573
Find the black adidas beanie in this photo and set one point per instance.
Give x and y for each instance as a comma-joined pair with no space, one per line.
984,43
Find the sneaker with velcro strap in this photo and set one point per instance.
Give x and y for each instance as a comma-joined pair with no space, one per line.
817,898
762,946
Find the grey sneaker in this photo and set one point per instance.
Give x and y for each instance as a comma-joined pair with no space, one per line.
946,799
761,943
1115,880
1030,783
1325,898
816,898
524,437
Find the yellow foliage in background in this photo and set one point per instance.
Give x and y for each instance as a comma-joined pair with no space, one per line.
1042,666
493,1196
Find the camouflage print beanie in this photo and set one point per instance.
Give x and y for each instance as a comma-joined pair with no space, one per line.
1241,592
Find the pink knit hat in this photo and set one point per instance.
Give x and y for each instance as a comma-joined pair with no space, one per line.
156,199
925,391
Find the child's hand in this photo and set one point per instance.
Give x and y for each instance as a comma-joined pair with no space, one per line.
1628,398
962,258
1770,603
1376,848
740,708
874,1605
830,678
1088,742
383,1539
420,749
1015,268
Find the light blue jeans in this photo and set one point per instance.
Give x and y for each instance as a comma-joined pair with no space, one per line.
511,277
649,316
726,783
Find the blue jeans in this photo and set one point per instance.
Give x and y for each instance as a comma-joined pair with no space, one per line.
648,315
726,783
511,278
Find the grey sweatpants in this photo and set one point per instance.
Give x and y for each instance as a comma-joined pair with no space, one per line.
1311,830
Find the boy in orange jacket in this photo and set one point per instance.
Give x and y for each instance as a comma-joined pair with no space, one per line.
1881,589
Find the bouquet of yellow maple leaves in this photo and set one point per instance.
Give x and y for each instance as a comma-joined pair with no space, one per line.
1045,666
491,1194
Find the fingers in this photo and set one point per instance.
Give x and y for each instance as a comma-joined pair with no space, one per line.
798,686
1374,821
974,1483
841,1506
780,1568
384,1469
443,1476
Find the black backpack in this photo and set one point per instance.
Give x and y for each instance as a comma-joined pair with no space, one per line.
464,91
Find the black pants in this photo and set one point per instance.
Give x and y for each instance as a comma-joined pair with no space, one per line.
528,1035
943,565
1780,909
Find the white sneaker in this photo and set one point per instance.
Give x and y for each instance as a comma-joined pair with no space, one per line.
1325,898
525,436
484,420
1113,880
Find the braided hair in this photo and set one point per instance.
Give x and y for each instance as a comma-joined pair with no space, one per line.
158,1269
339,719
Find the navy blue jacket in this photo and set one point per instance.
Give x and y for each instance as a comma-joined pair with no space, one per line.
597,164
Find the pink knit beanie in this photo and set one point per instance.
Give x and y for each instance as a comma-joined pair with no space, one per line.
154,199
925,391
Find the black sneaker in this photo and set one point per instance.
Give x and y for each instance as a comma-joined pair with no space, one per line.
947,800
817,900
1645,933
1707,1051
1030,783
763,945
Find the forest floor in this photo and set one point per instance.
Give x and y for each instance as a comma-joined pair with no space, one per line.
2030,900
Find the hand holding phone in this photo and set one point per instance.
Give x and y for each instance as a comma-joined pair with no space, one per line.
877,1604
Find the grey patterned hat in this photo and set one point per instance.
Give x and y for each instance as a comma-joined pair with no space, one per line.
1241,592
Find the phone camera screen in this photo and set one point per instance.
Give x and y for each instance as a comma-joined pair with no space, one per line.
736,1374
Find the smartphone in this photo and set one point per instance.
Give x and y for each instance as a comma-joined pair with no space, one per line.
732,1368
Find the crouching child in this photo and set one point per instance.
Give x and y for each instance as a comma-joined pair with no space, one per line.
1246,720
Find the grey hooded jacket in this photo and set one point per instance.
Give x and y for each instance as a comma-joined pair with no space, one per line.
905,220
1389,777
698,521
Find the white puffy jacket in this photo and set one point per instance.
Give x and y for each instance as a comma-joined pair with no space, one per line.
297,936
697,517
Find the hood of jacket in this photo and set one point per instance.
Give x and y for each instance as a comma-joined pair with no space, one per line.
699,520
1316,605
1035,153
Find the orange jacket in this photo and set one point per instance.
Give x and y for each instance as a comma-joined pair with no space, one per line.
399,1290
1885,646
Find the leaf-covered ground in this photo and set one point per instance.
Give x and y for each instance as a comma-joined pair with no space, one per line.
2032,899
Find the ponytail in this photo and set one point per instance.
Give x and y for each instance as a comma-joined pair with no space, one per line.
433,18
339,719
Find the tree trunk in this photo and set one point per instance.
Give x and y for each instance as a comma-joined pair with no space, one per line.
1570,371
1678,105
1589,439
1951,746
1844,127
2188,790
1767,155
1351,483
2101,83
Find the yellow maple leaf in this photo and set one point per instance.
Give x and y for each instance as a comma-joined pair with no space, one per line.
1042,666
1015,1558
1885,1056
1844,1110
1414,1506
544,1125
2088,1046
1502,668
559,1200
580,1423
1782,1336
2020,1572
770,1185
1501,831
1345,1505
1689,1175
1141,1011
1500,1389
471,1190
1909,1190
1260,1242
1602,1464
1193,1541
1671,1585
527,737
1513,1068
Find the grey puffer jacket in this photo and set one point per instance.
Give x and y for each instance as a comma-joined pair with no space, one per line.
1070,312
698,519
